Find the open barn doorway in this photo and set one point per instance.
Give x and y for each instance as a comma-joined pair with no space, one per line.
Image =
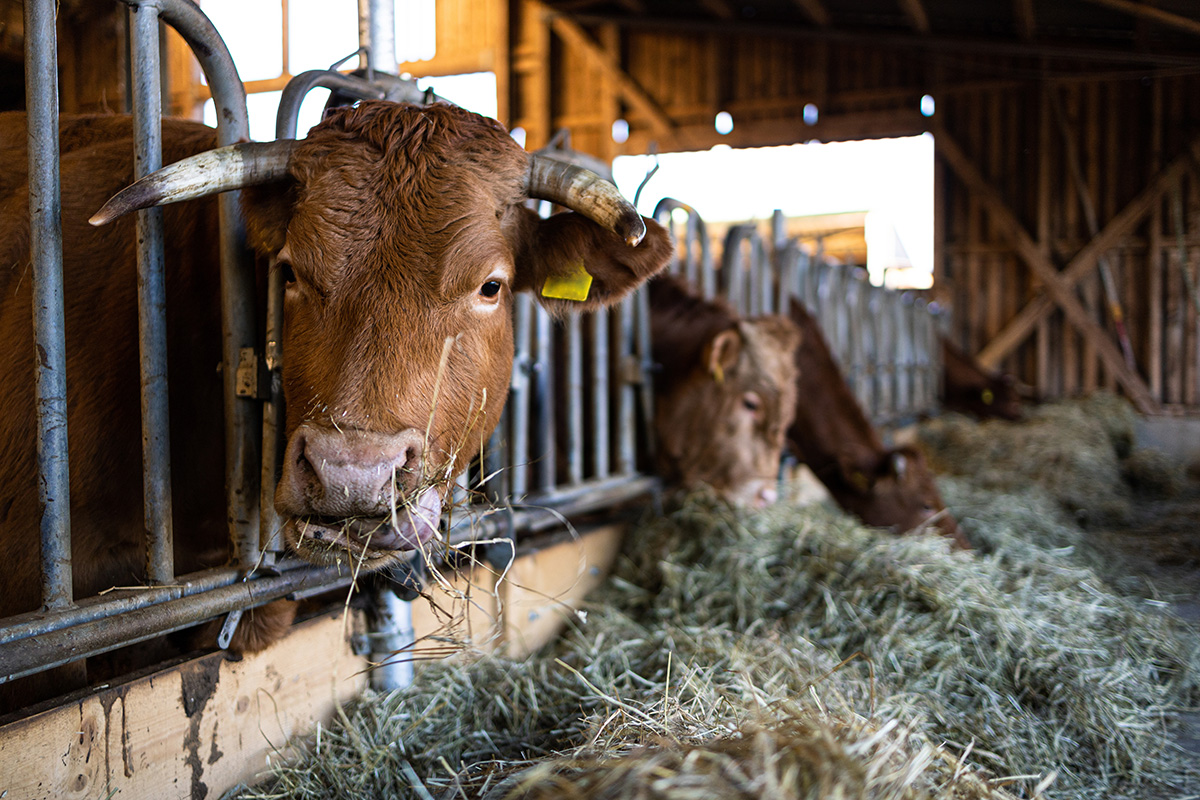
864,203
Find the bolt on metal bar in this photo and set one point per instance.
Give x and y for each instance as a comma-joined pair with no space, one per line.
242,416
45,245
601,367
574,408
152,298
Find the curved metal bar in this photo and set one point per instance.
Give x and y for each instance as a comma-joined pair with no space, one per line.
298,88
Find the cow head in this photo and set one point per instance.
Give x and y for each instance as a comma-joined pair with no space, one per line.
723,424
895,489
402,236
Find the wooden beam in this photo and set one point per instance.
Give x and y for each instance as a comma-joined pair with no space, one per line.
634,94
1026,19
917,16
721,9
1156,14
1086,259
815,12
1055,283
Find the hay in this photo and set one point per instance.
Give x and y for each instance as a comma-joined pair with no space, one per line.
1077,450
794,653
1153,474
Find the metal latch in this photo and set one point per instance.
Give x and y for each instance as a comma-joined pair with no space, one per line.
251,376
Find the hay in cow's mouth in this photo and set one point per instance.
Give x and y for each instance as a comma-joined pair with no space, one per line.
326,540
795,653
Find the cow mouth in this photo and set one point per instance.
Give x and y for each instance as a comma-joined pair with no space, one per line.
325,540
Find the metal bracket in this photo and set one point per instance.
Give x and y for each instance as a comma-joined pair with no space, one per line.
251,376
229,628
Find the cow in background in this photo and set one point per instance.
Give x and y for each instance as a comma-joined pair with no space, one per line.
887,487
402,235
970,389
724,396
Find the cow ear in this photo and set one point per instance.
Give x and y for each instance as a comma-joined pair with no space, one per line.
898,463
781,329
268,210
859,469
572,264
721,353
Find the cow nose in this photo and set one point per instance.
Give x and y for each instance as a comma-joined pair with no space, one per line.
345,473
767,496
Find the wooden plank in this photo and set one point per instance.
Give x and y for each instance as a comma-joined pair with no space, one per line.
1055,283
193,731
917,16
1044,187
458,610
546,588
1026,19
1086,259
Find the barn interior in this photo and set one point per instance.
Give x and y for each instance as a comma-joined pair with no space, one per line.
1065,240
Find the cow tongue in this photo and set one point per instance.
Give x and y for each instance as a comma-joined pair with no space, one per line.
414,525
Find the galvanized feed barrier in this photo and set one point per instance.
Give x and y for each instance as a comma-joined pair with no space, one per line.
516,488
885,340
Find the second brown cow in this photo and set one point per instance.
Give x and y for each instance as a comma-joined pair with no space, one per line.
887,487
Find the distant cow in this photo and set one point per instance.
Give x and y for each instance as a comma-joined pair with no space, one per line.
402,235
968,388
725,394
891,488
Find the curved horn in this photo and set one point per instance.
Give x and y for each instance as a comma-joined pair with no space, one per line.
221,170
586,192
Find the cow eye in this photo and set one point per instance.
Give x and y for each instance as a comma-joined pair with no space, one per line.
490,289
751,401
285,269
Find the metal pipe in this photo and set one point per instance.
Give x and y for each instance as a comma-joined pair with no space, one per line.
237,278
544,389
519,392
152,298
377,35
48,650
575,440
630,373
601,367
45,247
298,88
646,360
391,634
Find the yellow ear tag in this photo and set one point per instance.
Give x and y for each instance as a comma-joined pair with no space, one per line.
988,397
718,373
574,285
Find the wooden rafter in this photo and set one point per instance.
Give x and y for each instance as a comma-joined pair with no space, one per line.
1026,19
1055,283
721,9
634,94
917,16
1021,325
815,12
1156,14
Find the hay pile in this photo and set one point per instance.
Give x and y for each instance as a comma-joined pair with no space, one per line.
1080,451
794,653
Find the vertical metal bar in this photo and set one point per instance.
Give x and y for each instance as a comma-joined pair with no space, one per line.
270,528
601,366
242,416
627,403
377,35
391,641
646,360
519,396
45,246
574,400
544,386
766,276
496,463
152,298
691,253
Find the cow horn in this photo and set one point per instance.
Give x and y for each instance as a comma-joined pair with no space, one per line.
584,191
221,170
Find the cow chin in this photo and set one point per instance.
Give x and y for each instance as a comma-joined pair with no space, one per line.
370,542
753,494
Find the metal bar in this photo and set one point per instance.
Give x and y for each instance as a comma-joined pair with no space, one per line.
646,360
519,395
242,416
391,634
601,367
45,246
575,440
544,389
377,35
152,298
630,372
298,88
48,650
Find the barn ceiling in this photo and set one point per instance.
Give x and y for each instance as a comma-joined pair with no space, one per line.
1128,28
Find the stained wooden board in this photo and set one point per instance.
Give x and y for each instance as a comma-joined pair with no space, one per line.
193,731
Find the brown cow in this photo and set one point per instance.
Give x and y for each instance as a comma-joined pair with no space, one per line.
891,488
725,394
403,235
970,389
